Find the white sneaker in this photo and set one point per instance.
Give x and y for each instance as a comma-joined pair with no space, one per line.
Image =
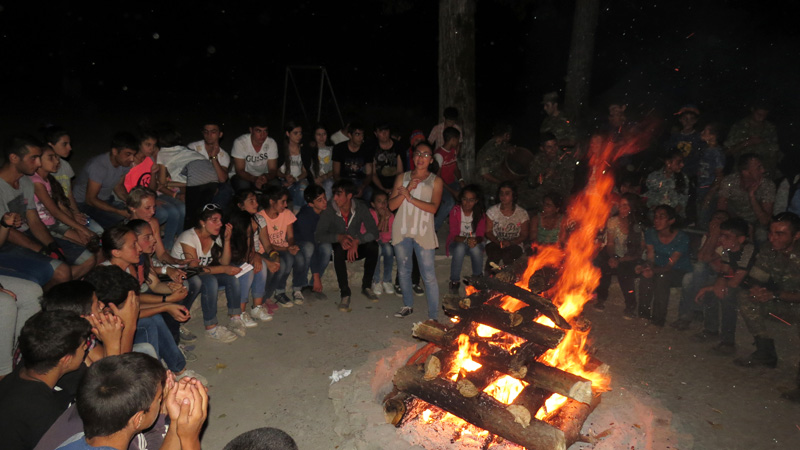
189,373
260,313
376,288
298,297
237,326
387,287
222,334
247,320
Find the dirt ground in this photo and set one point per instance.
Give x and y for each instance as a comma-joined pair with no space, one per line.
667,391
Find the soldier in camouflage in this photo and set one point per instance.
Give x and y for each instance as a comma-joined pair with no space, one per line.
773,287
551,169
490,159
754,134
556,123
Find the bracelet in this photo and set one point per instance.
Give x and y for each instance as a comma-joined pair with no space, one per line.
164,298
4,224
212,158
163,270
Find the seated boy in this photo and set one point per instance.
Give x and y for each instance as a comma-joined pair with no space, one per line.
736,257
315,256
52,344
123,395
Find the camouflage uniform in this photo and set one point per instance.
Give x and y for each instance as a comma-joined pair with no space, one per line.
767,150
774,270
556,175
560,126
661,191
490,158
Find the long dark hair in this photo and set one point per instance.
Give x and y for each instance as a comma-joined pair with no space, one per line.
285,157
216,249
433,167
241,237
637,222
479,209
56,189
312,153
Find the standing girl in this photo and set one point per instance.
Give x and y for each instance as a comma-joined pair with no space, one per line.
467,230
416,197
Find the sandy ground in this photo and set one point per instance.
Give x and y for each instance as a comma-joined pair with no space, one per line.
667,391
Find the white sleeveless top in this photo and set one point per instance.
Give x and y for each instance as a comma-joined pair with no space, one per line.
410,221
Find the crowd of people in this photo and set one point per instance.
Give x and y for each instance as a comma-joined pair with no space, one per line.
120,252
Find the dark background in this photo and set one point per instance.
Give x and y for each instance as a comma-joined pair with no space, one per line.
96,69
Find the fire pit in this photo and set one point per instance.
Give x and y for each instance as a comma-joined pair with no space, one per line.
515,362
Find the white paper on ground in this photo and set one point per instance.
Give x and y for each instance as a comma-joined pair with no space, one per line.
339,374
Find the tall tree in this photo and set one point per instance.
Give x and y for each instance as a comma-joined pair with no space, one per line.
579,68
457,71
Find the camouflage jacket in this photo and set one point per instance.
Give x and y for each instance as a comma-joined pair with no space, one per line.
768,148
779,269
560,126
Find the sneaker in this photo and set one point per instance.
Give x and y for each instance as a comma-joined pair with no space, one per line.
724,348
387,287
186,335
189,373
237,326
247,320
283,300
260,313
404,311
454,287
222,334
703,336
272,307
369,294
344,304
298,297
377,288
418,290
187,355
397,291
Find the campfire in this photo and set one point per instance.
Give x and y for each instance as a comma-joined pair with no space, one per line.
515,364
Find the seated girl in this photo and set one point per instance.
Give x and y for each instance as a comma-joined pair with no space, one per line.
547,228
507,227
467,232
208,248
281,236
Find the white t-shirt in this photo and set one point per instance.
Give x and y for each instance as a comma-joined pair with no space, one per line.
175,160
466,225
506,228
325,161
190,238
295,165
223,157
255,163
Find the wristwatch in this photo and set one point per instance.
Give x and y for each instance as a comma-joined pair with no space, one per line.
163,270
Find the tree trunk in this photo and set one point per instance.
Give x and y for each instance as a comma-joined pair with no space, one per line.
581,53
457,72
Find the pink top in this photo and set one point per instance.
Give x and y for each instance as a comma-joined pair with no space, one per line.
455,227
383,236
276,228
139,175
44,215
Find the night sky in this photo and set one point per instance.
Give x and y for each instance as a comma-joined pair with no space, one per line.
163,58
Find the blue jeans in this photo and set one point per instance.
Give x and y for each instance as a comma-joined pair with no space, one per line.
153,331
446,205
404,250
296,192
253,282
277,282
26,263
700,277
387,254
314,256
460,249
103,218
209,286
224,195
171,216
726,309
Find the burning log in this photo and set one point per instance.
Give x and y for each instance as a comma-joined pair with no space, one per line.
531,398
570,418
481,410
491,356
541,304
476,299
509,322
394,407
560,382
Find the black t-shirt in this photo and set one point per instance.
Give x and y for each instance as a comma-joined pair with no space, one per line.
27,409
386,163
353,164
